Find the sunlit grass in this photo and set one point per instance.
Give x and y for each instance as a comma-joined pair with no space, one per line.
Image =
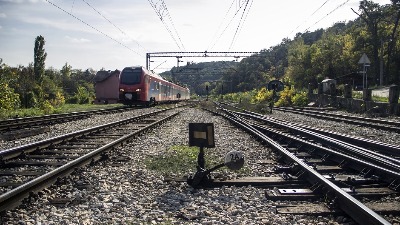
176,160
182,160
359,95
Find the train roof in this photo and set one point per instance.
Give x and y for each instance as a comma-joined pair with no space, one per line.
154,75
147,72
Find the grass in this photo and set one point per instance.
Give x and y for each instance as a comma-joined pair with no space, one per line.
182,160
359,95
66,108
176,160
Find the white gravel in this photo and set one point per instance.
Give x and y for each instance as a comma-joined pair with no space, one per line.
126,192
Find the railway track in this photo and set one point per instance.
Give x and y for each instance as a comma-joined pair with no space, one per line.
389,125
313,165
27,169
12,129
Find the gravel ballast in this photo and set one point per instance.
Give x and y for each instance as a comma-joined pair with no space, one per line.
126,192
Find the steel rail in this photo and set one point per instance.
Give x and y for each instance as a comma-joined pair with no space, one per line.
11,199
14,152
354,208
377,146
382,160
348,120
9,124
391,173
368,119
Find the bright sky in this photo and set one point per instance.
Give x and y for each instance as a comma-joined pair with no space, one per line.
115,34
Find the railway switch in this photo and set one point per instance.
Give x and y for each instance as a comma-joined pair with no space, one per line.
202,135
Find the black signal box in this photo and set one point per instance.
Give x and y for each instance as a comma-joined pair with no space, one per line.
201,135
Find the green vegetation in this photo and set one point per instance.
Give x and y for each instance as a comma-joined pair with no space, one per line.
34,90
176,160
182,160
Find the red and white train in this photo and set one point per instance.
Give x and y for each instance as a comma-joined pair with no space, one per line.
138,86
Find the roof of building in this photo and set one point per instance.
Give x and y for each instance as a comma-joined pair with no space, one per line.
103,75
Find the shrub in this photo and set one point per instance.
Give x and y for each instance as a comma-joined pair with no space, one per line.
46,107
9,99
285,98
59,100
300,99
262,96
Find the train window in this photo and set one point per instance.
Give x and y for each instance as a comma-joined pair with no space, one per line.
131,76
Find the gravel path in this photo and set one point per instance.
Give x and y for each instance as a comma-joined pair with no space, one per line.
126,192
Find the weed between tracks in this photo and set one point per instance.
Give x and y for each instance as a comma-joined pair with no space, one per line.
182,160
176,160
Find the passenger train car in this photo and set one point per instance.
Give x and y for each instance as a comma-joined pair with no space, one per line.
138,86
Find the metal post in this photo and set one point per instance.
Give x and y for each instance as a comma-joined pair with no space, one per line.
147,61
381,66
200,160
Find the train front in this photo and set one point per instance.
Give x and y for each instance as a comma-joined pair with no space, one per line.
131,87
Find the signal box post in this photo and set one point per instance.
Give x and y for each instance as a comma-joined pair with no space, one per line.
202,135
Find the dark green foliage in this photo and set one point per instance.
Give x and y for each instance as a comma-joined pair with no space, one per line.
199,75
39,58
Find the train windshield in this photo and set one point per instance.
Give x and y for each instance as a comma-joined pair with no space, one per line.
131,76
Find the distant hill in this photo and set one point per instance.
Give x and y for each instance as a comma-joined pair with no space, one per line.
196,76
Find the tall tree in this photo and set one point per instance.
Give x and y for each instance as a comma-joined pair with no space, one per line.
372,16
393,39
39,58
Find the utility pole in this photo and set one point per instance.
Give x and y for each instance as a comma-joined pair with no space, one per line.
381,66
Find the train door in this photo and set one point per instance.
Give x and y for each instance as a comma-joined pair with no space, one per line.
146,89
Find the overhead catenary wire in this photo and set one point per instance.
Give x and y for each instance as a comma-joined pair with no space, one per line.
337,7
173,25
226,27
241,22
309,17
163,8
220,25
138,44
87,24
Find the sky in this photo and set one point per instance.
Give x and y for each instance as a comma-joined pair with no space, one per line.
104,34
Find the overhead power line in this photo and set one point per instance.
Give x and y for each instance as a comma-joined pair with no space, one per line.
337,7
160,13
220,25
114,25
308,17
93,27
226,27
241,22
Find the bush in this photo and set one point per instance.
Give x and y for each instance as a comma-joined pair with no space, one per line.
9,100
59,100
285,98
30,100
262,96
82,96
46,107
300,99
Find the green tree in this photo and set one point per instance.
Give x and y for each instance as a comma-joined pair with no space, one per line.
372,15
9,99
39,58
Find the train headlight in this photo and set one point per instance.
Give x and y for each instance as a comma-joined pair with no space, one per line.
138,90
121,90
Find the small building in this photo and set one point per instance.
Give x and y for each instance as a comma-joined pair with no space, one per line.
328,86
106,87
